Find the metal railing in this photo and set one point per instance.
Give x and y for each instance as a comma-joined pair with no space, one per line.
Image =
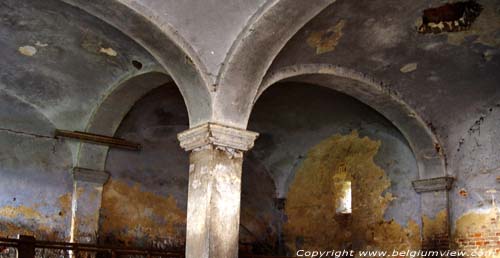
26,247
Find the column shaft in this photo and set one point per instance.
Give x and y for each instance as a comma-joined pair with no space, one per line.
86,204
214,203
214,193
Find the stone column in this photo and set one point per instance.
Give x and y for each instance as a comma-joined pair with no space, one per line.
86,204
214,191
435,211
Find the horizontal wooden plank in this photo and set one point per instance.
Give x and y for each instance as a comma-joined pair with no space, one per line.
98,139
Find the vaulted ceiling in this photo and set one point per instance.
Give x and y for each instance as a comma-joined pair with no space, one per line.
63,59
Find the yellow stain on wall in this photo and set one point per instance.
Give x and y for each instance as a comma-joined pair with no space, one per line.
435,227
315,193
477,221
326,40
26,220
129,213
12,212
65,204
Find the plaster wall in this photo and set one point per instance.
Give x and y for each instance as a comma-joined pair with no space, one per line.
77,58
35,184
450,79
291,124
294,121
145,201
57,63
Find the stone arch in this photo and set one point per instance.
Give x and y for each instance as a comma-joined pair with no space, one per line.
252,53
423,142
172,51
108,115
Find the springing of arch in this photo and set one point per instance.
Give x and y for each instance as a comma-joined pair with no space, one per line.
252,53
110,112
424,144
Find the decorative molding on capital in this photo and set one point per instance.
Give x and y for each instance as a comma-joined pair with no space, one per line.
90,175
217,135
433,184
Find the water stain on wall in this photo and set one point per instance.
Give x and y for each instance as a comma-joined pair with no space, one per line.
315,193
475,221
326,40
434,228
28,220
15,211
130,215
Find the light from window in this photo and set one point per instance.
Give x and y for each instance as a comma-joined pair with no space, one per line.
345,203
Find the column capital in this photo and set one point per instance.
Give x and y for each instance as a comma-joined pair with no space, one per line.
217,135
433,184
90,175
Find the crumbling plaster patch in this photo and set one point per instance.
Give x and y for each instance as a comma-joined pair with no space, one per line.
108,51
27,50
484,29
130,213
408,68
35,184
475,221
436,226
34,220
478,230
312,199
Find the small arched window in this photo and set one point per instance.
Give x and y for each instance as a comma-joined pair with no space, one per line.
345,202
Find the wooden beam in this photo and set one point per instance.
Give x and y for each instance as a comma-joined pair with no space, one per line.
98,139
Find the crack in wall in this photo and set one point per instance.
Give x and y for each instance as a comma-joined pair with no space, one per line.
475,129
26,133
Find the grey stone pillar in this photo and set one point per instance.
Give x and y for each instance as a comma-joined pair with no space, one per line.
214,191
435,211
86,204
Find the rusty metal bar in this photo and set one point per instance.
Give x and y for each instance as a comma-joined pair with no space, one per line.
26,248
80,247
98,139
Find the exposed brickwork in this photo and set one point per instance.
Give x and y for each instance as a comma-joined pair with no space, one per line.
437,242
487,240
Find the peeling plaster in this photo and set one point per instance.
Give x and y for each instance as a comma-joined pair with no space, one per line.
33,220
436,226
130,214
108,51
480,227
27,50
386,34
314,194
408,68
484,29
